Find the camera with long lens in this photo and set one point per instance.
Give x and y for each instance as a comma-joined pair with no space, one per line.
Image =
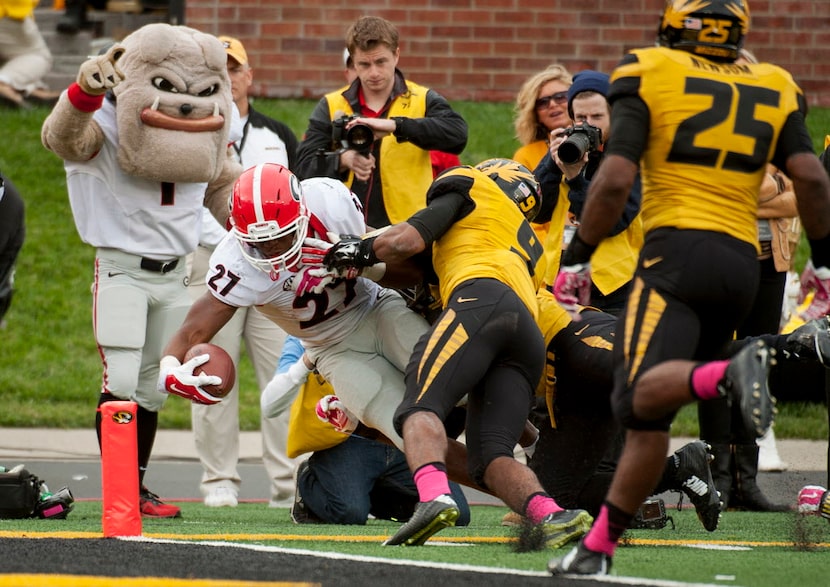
581,139
360,137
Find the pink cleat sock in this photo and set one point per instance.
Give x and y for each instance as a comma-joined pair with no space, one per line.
540,505
604,534
705,378
431,481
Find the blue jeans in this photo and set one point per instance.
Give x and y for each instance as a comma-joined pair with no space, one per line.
346,483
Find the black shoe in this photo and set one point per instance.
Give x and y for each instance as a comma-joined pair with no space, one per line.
300,513
695,478
429,518
746,382
581,561
811,341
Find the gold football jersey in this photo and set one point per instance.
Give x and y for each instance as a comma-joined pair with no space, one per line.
493,241
713,128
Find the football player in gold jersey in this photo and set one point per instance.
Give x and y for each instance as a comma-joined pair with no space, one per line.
485,345
701,131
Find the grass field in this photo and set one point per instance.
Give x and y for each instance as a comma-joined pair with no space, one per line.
49,367
761,550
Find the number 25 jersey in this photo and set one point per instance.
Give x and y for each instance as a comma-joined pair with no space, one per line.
712,129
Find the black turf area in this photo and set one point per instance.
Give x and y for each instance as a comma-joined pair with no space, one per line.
118,558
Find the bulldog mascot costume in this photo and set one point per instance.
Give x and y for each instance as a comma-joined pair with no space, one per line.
144,135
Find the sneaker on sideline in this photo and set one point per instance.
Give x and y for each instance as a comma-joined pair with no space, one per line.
429,518
581,561
221,497
152,507
300,513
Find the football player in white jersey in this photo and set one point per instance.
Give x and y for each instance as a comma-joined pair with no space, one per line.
359,334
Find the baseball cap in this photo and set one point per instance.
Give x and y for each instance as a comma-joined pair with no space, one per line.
584,81
235,49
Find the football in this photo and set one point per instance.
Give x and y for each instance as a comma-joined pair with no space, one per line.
220,364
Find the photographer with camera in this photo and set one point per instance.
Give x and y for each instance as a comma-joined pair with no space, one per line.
574,155
391,172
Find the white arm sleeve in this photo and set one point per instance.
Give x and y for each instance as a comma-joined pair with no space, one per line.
280,392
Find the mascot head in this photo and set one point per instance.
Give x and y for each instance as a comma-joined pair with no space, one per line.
174,106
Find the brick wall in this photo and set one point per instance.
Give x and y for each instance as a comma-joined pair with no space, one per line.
484,49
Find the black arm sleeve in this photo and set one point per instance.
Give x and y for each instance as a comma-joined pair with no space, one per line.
441,213
794,138
629,128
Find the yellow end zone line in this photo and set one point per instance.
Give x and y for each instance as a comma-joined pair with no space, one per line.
381,538
27,580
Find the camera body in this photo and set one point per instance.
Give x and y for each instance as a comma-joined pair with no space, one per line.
360,137
581,139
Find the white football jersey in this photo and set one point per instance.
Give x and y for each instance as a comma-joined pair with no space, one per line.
134,215
317,319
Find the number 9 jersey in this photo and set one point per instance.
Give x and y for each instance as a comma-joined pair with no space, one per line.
709,124
492,239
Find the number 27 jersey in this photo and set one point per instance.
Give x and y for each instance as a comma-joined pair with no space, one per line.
317,319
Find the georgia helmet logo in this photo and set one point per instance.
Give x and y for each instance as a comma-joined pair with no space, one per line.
122,417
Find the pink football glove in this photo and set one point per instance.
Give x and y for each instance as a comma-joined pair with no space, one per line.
312,280
179,379
572,287
330,409
816,280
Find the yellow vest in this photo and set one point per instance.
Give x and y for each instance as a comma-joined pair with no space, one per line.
17,9
405,170
306,433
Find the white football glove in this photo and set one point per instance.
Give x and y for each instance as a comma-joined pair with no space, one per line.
179,379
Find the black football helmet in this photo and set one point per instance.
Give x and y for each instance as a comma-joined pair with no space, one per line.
517,181
714,29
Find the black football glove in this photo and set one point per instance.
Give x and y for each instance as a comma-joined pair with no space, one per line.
351,251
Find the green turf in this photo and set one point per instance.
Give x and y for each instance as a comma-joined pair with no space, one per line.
49,367
756,549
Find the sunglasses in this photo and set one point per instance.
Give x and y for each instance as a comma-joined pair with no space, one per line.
559,97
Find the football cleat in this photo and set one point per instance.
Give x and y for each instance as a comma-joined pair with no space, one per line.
581,561
815,500
429,518
695,478
152,507
746,382
811,341
565,526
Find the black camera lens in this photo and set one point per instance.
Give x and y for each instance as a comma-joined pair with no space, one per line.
360,138
574,148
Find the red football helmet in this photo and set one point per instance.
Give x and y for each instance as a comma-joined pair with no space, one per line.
268,205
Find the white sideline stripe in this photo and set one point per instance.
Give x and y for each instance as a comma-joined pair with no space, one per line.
424,564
